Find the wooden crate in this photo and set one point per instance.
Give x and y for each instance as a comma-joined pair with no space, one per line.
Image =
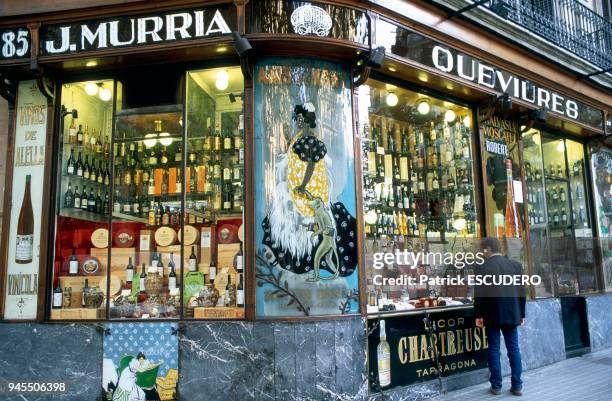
226,254
119,257
77,313
219,312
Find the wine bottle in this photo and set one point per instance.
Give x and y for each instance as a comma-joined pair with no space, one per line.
240,293
512,225
76,203
193,260
238,266
160,265
58,296
172,274
73,269
129,274
86,140
80,135
179,182
91,201
72,132
25,227
165,217
85,288
86,168
383,357
70,165
93,172
142,294
212,273
69,197
230,292
107,176
79,166
228,198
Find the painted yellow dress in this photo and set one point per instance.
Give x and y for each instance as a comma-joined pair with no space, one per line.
306,149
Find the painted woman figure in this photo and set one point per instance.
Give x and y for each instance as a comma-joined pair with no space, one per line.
304,231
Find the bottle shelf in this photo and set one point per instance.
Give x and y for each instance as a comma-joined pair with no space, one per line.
83,215
129,217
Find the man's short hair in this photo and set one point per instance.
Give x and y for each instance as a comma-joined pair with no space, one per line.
492,243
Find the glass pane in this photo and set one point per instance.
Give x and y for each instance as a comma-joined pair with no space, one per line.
601,165
418,190
536,200
81,246
214,185
147,212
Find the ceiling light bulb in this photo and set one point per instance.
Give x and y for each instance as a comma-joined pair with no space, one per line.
149,143
467,121
392,99
561,146
222,80
449,116
423,107
105,94
91,88
164,140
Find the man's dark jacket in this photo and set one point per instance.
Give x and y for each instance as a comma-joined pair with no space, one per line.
502,305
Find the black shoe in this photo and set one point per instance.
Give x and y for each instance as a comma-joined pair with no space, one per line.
517,392
495,391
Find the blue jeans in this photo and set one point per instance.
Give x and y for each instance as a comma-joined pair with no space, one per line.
514,356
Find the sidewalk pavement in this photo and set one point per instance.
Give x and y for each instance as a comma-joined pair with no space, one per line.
586,378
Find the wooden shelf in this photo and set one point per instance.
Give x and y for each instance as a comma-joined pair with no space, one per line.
83,215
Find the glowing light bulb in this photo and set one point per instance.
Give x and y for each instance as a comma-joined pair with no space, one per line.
423,107
149,143
164,140
392,99
449,116
370,217
459,224
467,121
222,80
91,88
105,94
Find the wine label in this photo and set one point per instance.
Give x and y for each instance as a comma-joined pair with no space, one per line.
171,283
24,248
57,299
71,169
74,267
129,275
192,265
404,168
240,297
145,242
239,263
384,368
212,272
205,238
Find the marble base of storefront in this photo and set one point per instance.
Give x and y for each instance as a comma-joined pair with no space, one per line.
600,321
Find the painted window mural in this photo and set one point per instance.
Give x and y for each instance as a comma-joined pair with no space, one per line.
140,362
305,190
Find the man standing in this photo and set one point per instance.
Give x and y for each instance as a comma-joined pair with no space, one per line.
501,308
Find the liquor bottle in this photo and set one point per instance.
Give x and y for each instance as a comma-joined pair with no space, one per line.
178,155
179,182
577,167
100,173
91,201
582,216
136,206
212,274
172,274
383,357
555,218
72,132
86,137
80,135
151,214
142,295
238,135
562,195
58,296
193,260
70,165
564,217
69,197
86,168
228,197
238,259
240,293
79,166
99,145
466,149
227,140
579,191
92,140
160,265
107,176
93,172
152,158
76,202
151,185
25,227
559,170
512,224
158,214
106,204
154,260
227,173
73,264
165,217
230,292
129,274
83,291
217,140
216,164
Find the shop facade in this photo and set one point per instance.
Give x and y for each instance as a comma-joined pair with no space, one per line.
203,201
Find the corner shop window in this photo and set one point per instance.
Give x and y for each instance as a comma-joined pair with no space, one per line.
601,167
160,229
559,224
418,191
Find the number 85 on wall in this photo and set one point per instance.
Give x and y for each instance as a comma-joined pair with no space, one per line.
14,43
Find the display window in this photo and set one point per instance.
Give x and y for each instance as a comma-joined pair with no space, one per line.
417,165
601,168
150,198
560,230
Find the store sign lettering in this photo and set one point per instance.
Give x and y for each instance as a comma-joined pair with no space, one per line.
476,71
14,43
136,31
